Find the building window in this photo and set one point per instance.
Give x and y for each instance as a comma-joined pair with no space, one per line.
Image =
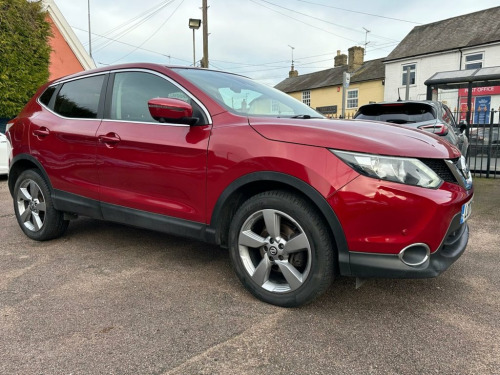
474,61
412,74
352,99
306,97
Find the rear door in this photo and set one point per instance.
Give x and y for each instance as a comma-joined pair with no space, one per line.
145,165
63,135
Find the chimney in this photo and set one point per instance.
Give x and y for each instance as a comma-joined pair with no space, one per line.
356,58
340,59
293,72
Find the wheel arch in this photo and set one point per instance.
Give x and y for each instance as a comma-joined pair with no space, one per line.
21,163
245,187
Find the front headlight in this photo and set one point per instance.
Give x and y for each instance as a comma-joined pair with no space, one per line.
391,168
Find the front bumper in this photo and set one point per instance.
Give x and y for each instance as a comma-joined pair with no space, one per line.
368,265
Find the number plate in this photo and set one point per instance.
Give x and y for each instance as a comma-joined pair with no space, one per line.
466,210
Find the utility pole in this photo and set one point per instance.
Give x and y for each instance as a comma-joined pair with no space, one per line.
90,34
204,61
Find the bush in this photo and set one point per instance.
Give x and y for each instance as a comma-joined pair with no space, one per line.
24,53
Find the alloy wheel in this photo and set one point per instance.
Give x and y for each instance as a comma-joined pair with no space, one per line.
275,251
31,205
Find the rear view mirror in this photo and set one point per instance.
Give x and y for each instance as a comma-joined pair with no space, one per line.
171,110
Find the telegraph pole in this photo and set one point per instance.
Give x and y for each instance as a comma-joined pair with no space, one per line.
204,61
90,34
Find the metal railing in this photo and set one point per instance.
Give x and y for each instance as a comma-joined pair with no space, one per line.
484,143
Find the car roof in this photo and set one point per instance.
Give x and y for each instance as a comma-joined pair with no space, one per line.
138,65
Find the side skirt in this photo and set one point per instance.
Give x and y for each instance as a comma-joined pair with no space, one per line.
76,204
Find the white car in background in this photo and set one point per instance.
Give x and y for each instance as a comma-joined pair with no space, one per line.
4,156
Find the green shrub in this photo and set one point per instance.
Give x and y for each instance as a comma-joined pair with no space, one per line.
24,53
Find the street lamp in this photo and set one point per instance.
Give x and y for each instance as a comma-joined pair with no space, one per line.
194,24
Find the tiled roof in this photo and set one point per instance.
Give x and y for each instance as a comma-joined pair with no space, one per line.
467,30
370,70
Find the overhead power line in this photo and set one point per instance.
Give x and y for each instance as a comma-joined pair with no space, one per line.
355,11
305,23
152,35
132,45
138,22
131,21
322,20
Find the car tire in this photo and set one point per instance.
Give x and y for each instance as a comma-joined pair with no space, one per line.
34,208
281,249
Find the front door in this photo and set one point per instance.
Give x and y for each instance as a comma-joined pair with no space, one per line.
145,165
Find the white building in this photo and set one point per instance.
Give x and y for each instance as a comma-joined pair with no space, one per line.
469,41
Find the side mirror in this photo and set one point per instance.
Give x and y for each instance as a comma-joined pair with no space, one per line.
171,110
463,128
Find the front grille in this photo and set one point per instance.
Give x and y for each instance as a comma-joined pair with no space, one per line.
440,167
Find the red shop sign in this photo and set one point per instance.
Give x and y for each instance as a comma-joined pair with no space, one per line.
480,91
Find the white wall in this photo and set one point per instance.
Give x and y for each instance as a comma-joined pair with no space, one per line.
427,66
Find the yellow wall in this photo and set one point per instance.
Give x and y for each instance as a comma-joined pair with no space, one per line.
370,91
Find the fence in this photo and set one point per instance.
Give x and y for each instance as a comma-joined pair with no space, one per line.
484,142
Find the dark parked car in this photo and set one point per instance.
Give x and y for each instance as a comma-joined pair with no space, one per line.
434,117
480,143
295,197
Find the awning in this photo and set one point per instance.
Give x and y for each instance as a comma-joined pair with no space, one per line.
459,79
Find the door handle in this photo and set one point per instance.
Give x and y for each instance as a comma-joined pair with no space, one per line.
110,139
41,132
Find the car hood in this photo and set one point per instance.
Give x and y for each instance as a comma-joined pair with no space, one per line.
359,136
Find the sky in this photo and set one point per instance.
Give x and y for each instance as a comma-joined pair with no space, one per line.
255,38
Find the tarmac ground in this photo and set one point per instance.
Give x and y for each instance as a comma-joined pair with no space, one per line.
110,299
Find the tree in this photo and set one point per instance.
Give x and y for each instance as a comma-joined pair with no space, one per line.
24,53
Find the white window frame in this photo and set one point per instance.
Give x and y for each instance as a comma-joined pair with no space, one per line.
413,71
352,100
474,61
306,97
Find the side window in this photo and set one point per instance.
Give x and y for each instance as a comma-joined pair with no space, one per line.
79,98
132,90
47,95
450,119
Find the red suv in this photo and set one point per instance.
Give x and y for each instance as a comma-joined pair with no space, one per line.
295,197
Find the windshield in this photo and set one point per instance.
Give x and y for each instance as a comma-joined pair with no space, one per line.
243,96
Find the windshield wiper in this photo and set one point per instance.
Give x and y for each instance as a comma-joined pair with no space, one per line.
306,117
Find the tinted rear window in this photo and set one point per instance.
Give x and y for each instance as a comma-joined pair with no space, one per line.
80,98
397,113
